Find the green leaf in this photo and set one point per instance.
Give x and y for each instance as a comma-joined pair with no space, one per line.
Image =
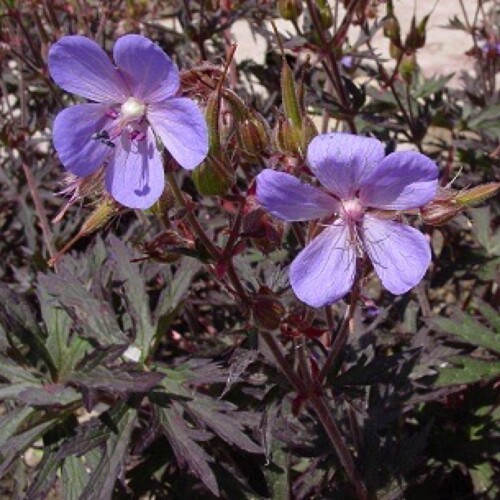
112,461
10,423
74,477
93,433
12,391
94,318
17,444
483,221
222,418
468,329
65,351
173,294
53,395
18,319
429,86
46,475
135,294
483,479
186,451
278,473
490,314
467,371
15,373
117,380
487,121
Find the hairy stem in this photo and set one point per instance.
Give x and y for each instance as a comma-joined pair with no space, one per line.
277,350
346,459
341,337
193,221
334,70
40,211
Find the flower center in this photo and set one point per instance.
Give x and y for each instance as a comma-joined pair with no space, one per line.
352,210
132,109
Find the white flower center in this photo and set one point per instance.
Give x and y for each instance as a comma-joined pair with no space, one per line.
132,109
352,210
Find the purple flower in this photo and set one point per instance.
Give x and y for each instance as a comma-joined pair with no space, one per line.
134,104
490,48
359,184
347,62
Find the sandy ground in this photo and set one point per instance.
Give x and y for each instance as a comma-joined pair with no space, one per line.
443,53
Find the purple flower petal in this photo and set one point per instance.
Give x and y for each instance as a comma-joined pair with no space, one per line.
400,254
182,129
135,176
289,199
72,136
324,271
151,74
403,180
80,66
342,161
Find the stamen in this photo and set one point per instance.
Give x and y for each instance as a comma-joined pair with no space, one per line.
112,113
137,135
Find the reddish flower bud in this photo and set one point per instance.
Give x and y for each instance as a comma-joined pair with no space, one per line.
265,232
253,135
449,202
417,35
267,309
167,246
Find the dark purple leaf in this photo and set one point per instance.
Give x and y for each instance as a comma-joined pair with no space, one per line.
185,449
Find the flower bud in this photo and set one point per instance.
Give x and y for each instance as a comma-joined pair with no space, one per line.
267,309
422,32
417,35
167,247
448,202
309,131
165,203
437,213
214,176
324,14
212,117
100,216
408,66
478,194
290,102
253,135
265,232
290,9
287,138
392,29
395,50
